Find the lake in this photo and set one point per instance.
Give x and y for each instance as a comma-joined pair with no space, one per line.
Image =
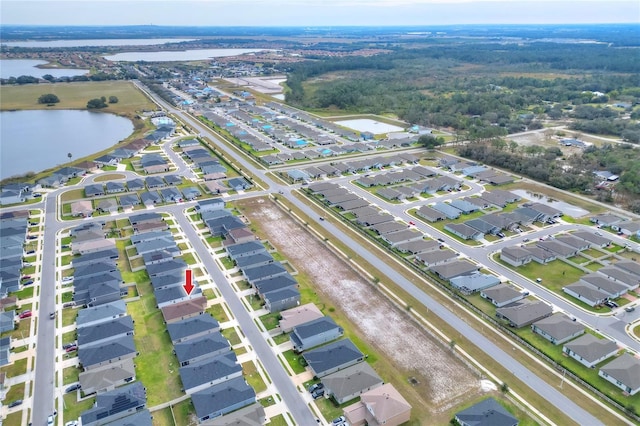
182,55
18,67
35,140
97,42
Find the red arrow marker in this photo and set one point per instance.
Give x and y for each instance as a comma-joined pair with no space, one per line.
188,285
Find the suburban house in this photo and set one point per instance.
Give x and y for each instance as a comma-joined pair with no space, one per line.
558,328
586,293
115,404
97,334
82,208
469,284
271,270
455,269
333,357
314,333
623,372
222,398
515,256
612,288
436,257
616,274
486,413
590,350
418,246
93,190
284,298
430,214
501,295
351,382
184,310
108,377
200,348
524,312
463,231
293,317
253,414
275,283
181,331
107,353
448,210
400,237
595,240
210,371
383,405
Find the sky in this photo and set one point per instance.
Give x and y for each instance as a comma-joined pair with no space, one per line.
316,12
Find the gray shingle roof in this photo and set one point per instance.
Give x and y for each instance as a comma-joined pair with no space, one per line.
103,352
332,356
559,326
104,330
591,348
209,369
625,369
222,396
185,328
211,343
486,413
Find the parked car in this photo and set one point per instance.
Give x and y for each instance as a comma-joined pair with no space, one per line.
15,403
69,304
31,251
71,423
73,388
28,282
52,315
315,387
72,348
50,420
26,277
611,304
318,394
67,279
25,314
68,345
339,420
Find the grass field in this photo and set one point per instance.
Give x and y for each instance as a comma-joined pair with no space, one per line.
76,95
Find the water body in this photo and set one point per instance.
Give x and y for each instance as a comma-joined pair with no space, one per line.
183,55
97,42
570,209
35,140
18,67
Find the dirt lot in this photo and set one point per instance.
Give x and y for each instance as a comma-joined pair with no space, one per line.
443,380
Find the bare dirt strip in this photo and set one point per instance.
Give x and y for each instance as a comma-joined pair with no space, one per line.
443,380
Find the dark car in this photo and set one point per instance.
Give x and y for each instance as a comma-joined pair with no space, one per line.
441,240
68,345
15,403
31,251
72,348
73,388
315,387
28,282
37,195
318,394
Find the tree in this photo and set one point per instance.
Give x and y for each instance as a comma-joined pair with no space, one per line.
49,98
113,99
69,155
48,77
96,104
430,142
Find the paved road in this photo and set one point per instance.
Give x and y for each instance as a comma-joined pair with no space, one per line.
43,388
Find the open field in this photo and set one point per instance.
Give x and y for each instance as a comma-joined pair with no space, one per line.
404,350
76,95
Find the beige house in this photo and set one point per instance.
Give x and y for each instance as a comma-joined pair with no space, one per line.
380,406
299,315
81,208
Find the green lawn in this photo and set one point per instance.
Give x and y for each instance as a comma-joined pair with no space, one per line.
231,335
69,316
227,262
73,408
278,420
252,376
15,392
218,312
593,266
185,413
70,375
209,294
281,338
15,419
270,321
163,417
592,252
17,368
296,362
25,293
254,301
555,274
330,410
156,366
22,328
75,96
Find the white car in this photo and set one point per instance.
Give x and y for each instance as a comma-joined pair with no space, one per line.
67,279
71,423
50,420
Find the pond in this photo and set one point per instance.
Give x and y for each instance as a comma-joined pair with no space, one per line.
18,67
32,141
182,55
